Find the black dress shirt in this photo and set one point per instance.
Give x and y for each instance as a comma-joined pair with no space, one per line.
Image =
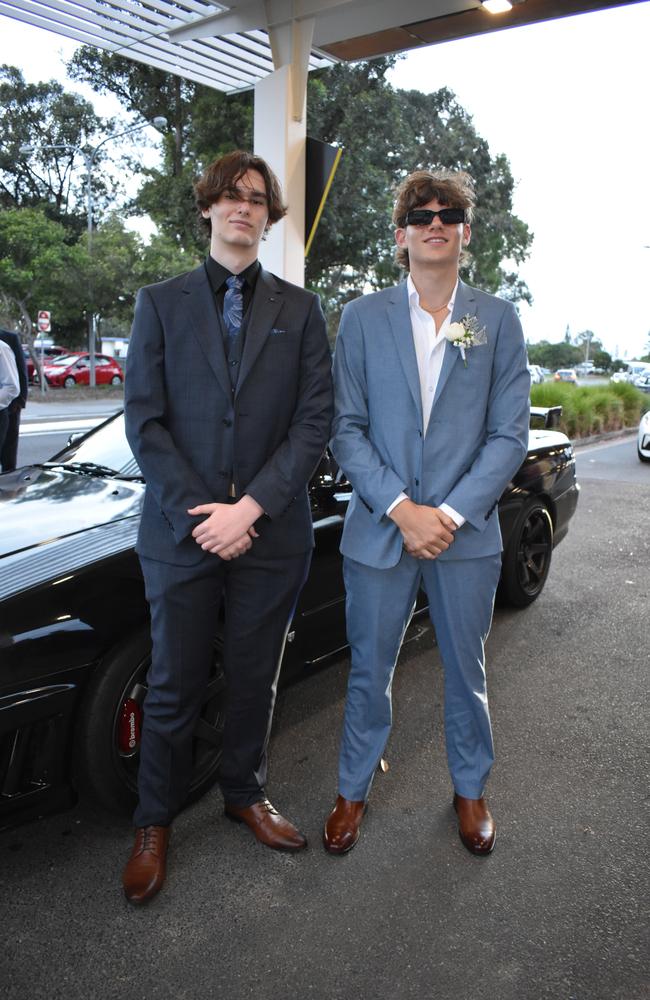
217,275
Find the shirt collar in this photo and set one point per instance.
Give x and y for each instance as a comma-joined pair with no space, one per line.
217,273
414,295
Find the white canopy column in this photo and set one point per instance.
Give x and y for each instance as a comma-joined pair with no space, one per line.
280,132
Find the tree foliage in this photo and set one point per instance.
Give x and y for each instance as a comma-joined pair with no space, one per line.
384,133
56,125
39,269
201,125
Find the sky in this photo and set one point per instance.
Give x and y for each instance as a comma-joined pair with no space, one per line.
567,102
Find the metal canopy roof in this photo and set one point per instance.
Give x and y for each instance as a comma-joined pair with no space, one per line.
227,46
139,30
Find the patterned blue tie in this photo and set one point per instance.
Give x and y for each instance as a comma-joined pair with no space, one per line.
233,307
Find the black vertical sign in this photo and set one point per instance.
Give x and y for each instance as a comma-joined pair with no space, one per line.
321,163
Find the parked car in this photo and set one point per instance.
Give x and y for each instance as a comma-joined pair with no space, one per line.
585,368
49,352
536,374
566,375
643,438
74,369
642,382
74,623
633,371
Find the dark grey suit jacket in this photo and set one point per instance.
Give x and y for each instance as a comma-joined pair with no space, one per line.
185,423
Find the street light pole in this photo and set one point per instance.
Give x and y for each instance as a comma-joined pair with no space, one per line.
89,161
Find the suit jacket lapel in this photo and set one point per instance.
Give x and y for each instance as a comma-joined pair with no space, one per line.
266,304
464,305
400,321
205,324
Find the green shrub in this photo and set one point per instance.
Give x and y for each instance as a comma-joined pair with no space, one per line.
591,409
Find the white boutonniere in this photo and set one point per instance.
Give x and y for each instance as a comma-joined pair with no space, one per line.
466,333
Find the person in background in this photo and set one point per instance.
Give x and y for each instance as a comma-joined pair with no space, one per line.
9,388
9,450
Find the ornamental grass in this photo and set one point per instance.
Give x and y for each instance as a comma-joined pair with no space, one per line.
588,410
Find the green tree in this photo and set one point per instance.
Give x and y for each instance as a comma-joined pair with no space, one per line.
39,269
201,124
384,133
602,359
554,356
588,343
43,115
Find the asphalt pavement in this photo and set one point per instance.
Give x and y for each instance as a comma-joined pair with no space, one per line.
558,911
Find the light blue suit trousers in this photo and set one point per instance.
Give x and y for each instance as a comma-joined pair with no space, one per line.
474,441
379,606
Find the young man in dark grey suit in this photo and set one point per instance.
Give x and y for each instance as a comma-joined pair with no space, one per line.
228,410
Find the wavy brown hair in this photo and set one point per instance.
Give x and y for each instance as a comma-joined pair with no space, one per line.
222,175
452,188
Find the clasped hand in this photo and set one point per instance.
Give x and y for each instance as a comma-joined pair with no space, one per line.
228,529
426,531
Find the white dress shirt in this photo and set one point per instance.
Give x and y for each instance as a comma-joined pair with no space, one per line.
429,351
9,382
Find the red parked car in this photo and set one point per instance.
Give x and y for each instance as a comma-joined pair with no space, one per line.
74,369
49,353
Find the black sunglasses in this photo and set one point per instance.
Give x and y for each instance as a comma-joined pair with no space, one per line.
425,216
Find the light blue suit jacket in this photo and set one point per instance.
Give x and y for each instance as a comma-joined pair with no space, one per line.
477,434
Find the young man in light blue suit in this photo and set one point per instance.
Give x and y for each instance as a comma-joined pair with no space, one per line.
431,422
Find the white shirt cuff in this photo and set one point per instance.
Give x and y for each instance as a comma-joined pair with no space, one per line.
395,502
453,514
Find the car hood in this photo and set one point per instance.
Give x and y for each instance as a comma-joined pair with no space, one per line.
44,506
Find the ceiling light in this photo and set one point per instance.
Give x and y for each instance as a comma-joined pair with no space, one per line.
497,6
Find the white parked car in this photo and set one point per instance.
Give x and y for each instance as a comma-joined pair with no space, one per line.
536,374
643,440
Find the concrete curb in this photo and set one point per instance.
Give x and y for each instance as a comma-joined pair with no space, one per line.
606,436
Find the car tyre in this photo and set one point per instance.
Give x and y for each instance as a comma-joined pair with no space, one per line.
116,380
642,457
69,381
106,768
527,556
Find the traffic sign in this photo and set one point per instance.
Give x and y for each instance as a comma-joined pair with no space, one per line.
43,321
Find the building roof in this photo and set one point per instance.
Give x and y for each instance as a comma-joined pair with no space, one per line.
227,46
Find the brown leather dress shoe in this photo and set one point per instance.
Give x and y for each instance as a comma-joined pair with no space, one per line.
343,824
475,824
268,825
145,871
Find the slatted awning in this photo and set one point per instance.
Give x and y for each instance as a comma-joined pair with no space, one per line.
228,46
139,31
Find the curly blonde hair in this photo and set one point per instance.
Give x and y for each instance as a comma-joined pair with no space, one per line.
452,188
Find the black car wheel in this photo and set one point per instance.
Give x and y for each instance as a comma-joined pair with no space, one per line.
527,557
110,720
642,457
116,380
69,381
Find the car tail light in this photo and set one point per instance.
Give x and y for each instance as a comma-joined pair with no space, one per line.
129,727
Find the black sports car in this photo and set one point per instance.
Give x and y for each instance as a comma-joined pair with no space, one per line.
74,624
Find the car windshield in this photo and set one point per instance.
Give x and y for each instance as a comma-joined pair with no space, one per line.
105,447
64,359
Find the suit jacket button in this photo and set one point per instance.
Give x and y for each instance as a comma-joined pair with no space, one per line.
226,422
